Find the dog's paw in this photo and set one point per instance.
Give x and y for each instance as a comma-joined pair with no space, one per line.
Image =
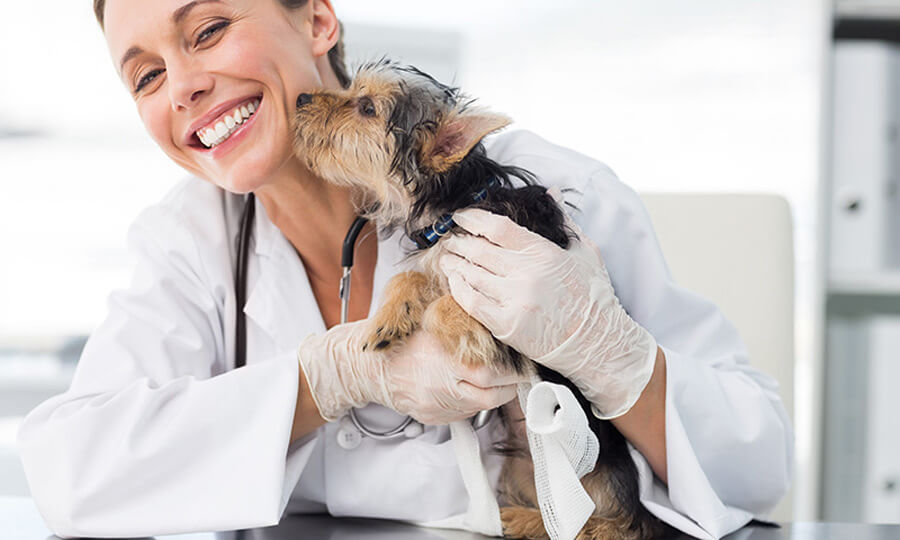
406,296
392,324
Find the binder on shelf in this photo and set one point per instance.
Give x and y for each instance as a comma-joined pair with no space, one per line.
861,467
844,413
864,207
881,484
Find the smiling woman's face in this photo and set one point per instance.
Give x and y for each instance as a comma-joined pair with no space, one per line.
189,65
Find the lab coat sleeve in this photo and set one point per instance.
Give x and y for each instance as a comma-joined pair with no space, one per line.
153,436
728,437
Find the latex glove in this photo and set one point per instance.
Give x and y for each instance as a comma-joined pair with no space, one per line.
555,306
417,378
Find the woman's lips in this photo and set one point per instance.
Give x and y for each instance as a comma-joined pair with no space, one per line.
198,145
235,139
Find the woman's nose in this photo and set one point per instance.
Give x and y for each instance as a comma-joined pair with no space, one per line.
186,104
187,86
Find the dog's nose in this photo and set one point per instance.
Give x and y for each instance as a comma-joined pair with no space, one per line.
304,99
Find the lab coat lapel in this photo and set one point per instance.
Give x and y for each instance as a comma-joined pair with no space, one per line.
281,301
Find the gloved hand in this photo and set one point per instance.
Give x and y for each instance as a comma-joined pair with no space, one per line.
555,306
417,378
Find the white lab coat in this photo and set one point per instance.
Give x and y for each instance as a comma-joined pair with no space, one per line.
158,434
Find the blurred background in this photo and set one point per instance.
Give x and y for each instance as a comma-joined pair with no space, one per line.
798,99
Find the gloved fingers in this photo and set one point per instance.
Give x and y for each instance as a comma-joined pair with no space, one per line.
440,411
482,252
483,281
487,377
484,309
483,399
500,230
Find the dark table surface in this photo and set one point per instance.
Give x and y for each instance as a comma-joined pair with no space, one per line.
20,520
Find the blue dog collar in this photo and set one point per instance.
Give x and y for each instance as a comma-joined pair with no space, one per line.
429,236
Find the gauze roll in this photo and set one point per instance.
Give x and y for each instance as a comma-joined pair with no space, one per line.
563,449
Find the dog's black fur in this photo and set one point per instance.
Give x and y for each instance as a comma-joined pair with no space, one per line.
531,207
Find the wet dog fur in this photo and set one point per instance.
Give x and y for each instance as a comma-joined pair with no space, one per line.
411,148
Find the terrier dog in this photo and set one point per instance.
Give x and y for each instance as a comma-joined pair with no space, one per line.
411,147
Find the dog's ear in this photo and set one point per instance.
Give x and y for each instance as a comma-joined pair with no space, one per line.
455,137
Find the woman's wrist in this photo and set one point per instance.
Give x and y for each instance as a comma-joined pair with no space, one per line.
632,370
609,357
307,417
644,425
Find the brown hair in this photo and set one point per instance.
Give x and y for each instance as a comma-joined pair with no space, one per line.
335,55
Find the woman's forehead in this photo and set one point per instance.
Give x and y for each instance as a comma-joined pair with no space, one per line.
131,25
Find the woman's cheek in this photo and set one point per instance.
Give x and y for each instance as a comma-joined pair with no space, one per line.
158,122
240,54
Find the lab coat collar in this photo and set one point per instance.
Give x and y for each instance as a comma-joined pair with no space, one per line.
281,301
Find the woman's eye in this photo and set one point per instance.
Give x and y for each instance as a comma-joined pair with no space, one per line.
146,79
204,35
210,30
366,107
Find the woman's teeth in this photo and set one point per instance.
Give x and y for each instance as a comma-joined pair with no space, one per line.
222,130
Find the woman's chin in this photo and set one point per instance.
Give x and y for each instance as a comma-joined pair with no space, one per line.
241,184
243,177
248,173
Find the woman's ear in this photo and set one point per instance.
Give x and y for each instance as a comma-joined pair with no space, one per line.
326,29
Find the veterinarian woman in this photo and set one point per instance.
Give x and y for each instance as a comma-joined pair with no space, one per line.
159,433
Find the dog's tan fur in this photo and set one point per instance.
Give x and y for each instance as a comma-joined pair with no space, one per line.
346,148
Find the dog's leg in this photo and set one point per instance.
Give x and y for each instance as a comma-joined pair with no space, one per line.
600,528
405,297
466,339
521,522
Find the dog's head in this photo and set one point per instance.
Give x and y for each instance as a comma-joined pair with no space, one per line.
395,132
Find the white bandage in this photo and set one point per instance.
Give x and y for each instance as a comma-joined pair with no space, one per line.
483,515
563,449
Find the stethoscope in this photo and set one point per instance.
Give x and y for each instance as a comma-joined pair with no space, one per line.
351,428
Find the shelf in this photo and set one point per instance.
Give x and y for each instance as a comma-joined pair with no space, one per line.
868,20
867,9
882,284
867,29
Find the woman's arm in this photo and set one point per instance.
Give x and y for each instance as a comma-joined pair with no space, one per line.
306,415
154,436
728,439
726,447
645,424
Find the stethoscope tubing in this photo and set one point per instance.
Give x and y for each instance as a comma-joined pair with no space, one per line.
240,282
347,264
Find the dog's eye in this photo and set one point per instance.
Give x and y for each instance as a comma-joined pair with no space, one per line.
366,107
